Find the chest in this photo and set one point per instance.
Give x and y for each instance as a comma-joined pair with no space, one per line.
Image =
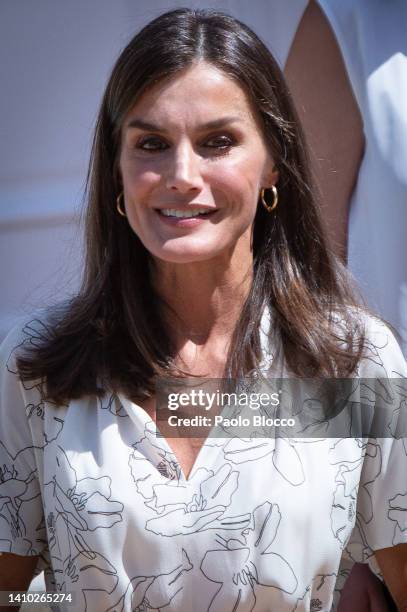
185,449
251,523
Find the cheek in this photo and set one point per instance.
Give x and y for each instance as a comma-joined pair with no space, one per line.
241,174
237,183
137,179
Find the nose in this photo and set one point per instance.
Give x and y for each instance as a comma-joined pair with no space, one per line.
184,171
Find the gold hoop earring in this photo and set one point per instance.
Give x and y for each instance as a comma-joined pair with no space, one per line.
118,206
269,207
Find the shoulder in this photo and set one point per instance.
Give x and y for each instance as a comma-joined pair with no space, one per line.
382,355
28,335
28,332
24,336
31,331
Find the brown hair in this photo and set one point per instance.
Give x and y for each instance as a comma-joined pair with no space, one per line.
111,335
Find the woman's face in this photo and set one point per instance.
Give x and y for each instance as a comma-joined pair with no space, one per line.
192,163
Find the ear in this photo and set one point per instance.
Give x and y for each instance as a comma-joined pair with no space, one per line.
271,175
274,176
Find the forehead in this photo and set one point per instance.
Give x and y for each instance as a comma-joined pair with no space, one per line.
198,94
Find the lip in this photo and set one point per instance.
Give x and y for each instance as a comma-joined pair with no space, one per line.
187,221
185,207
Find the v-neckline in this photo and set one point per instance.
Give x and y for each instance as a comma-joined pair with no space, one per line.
141,419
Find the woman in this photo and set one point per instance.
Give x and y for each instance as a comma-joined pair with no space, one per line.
196,265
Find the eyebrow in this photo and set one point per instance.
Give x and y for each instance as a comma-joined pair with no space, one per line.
151,127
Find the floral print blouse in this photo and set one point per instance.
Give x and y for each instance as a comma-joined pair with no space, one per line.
260,524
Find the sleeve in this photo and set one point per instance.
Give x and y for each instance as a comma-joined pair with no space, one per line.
381,512
22,529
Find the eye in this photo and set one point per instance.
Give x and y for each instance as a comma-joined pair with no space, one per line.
151,143
221,142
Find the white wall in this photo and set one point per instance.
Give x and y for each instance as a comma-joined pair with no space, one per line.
55,60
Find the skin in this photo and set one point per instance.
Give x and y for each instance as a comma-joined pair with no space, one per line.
188,161
330,116
16,573
317,77
183,164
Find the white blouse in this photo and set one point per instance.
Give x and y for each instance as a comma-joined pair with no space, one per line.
261,524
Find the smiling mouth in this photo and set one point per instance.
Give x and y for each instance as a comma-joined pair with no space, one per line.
185,214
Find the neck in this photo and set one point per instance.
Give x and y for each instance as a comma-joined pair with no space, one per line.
205,298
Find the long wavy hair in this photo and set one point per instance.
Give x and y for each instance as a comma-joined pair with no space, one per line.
112,334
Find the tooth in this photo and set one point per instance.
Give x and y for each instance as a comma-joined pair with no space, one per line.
171,212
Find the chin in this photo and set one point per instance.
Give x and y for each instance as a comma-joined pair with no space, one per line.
185,255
